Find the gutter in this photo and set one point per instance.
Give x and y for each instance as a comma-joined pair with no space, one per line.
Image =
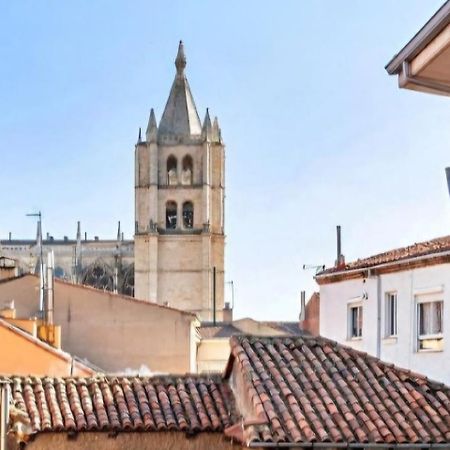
369,269
406,77
328,445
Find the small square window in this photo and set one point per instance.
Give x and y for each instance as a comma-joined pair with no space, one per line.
355,321
430,325
391,314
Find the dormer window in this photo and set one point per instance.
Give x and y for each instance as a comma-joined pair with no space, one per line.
187,170
188,215
172,178
171,215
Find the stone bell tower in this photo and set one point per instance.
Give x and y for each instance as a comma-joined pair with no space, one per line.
179,206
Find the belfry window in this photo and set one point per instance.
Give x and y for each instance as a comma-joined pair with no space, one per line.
188,215
187,172
172,177
171,215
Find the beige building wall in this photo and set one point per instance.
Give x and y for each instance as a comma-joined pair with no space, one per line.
213,354
113,332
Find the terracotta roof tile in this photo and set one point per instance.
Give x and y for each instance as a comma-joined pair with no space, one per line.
311,389
431,247
186,403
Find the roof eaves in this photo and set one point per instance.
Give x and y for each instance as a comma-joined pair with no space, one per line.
421,39
371,267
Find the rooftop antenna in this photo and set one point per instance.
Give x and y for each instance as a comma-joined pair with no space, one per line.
231,283
39,239
317,269
447,174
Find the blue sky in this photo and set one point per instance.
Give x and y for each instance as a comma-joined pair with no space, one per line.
317,133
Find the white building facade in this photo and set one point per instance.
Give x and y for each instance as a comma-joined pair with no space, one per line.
395,306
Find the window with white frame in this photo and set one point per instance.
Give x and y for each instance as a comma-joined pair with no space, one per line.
355,320
430,325
391,314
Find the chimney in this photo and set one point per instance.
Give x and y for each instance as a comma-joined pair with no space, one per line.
302,316
227,313
340,260
8,311
95,238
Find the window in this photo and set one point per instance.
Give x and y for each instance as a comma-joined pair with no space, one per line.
188,215
355,320
172,177
391,314
186,174
430,324
171,215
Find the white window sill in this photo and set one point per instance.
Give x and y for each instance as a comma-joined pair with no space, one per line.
429,350
389,340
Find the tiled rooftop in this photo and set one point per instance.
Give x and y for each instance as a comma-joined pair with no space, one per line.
313,390
434,246
291,390
190,403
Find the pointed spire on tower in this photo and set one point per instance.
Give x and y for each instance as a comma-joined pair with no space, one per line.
78,231
139,136
180,118
39,233
207,127
216,132
152,128
180,60
119,234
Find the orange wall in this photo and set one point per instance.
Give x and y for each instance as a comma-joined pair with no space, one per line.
21,356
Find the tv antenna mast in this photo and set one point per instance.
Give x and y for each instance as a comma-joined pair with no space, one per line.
41,258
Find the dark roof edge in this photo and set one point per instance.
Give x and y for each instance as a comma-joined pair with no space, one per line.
421,39
405,261
355,445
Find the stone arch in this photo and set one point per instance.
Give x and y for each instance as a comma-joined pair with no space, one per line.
187,170
171,170
188,215
99,274
127,287
171,215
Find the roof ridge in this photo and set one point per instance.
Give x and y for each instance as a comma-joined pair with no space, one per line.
117,295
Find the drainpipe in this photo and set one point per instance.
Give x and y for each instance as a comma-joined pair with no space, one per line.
379,304
420,81
4,413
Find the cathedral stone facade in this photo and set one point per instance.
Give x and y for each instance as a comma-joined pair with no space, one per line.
177,256
179,194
